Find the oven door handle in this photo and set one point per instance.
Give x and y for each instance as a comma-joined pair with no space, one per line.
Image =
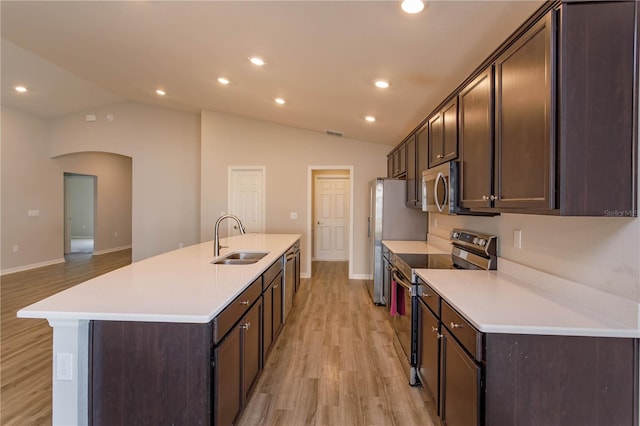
400,280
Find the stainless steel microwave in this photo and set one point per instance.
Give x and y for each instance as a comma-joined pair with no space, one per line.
440,189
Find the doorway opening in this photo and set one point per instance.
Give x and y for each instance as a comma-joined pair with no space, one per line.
330,206
79,213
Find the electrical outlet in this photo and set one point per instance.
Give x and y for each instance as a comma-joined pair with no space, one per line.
64,366
115,234
180,245
293,215
517,238
435,222
15,249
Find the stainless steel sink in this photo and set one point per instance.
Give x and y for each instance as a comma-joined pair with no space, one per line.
240,258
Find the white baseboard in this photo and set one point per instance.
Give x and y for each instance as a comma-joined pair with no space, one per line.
111,250
305,275
359,277
31,266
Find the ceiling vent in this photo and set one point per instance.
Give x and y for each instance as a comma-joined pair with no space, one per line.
333,133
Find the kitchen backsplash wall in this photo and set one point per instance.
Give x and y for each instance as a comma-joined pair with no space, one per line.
601,252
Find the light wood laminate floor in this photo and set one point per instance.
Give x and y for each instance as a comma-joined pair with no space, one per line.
334,362
26,344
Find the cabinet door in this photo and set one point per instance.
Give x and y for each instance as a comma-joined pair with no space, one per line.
227,399
250,326
390,170
476,141
450,132
436,135
277,305
460,385
429,352
412,172
402,159
267,321
524,139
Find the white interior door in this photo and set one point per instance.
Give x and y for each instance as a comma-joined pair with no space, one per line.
332,218
246,198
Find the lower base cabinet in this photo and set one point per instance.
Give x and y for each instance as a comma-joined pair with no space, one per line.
237,364
487,379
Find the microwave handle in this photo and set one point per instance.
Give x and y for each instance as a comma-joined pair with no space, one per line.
435,192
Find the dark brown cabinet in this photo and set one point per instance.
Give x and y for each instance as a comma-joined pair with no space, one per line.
227,359
272,298
443,134
428,367
524,141
251,353
397,162
460,386
476,141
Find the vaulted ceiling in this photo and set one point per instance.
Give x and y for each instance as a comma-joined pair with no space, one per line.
322,57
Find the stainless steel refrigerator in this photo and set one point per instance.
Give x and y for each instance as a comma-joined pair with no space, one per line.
389,219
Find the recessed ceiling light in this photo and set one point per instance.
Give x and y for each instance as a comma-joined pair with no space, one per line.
370,118
255,60
161,92
280,101
412,6
20,89
382,84
223,80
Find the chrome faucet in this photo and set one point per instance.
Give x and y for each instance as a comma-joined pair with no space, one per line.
216,238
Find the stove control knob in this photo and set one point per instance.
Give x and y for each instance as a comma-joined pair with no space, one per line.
475,240
482,242
455,234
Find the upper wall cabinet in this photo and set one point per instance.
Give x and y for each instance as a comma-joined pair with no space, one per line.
443,135
564,123
524,143
476,141
397,162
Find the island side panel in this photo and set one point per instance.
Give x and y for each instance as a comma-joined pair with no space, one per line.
150,373
561,380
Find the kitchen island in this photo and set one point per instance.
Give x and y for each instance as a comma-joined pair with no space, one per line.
171,301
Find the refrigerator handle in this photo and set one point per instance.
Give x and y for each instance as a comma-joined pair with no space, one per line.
368,227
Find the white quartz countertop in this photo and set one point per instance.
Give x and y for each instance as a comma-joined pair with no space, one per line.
521,300
178,286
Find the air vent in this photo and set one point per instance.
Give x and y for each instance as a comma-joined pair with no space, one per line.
333,133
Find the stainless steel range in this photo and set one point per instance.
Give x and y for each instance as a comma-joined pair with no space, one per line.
470,250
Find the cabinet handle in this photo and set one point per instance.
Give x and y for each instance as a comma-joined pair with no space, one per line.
426,295
439,336
246,326
434,329
439,156
245,302
492,197
489,198
454,325
276,286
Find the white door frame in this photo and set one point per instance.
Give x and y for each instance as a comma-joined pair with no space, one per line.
263,169
310,196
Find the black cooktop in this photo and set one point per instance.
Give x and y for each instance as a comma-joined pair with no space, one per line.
427,261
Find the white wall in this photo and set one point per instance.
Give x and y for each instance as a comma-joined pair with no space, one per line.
601,252
164,145
30,181
113,195
287,154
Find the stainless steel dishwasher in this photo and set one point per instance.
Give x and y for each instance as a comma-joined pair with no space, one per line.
289,287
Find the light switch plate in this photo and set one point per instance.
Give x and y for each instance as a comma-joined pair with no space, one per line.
33,213
517,238
293,215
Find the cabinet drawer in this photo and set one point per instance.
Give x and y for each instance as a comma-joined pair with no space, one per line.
232,313
463,331
271,273
430,297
